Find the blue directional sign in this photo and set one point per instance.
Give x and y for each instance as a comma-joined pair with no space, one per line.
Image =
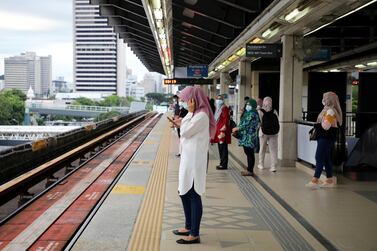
197,71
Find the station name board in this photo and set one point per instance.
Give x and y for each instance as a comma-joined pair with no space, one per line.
264,50
188,81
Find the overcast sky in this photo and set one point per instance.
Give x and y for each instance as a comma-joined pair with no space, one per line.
45,27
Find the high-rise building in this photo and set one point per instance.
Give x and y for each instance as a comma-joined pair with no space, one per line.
1,82
99,63
27,69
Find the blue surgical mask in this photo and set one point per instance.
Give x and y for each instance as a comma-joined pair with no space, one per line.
248,108
323,103
219,102
180,104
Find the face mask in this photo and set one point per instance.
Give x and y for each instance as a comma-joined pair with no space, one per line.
248,108
323,103
180,104
219,102
184,105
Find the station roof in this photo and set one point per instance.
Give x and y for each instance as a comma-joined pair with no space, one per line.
170,33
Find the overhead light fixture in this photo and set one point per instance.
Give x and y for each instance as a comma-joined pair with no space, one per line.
334,70
296,14
233,58
225,63
360,66
188,13
219,67
158,15
372,63
271,31
241,52
159,24
257,40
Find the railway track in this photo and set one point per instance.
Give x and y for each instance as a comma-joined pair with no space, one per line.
50,220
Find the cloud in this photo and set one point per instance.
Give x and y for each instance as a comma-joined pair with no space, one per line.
14,21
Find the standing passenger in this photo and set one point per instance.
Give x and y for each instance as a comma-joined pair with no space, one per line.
223,132
197,127
248,132
268,133
329,119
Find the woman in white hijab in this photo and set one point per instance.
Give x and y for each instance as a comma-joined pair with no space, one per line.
329,119
266,137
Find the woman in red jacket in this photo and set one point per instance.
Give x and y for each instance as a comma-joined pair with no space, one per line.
223,131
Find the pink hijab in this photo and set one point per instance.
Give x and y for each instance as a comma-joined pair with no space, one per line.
201,104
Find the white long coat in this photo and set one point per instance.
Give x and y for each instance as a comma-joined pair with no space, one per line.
194,144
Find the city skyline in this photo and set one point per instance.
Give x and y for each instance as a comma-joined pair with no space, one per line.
47,29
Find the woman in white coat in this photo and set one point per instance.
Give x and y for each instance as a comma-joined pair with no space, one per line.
197,127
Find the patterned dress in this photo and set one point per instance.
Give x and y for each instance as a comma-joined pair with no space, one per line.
248,129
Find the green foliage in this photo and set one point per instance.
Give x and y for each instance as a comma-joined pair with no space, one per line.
107,115
84,101
12,107
157,98
112,100
17,93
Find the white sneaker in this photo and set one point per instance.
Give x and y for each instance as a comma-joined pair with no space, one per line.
273,169
312,185
261,167
327,185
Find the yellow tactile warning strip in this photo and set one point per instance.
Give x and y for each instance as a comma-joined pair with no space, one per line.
125,189
146,234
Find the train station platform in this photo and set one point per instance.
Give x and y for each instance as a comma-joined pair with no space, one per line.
273,211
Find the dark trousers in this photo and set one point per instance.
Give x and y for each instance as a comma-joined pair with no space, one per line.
223,152
179,132
323,157
193,208
250,158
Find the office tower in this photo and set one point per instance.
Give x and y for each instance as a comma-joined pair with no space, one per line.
98,52
27,69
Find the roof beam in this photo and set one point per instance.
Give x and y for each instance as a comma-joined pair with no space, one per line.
199,46
191,25
198,38
233,5
209,17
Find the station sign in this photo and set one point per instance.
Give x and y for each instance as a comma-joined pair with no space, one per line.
323,54
264,50
188,81
197,71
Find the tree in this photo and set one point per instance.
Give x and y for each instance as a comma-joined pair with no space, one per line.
12,107
17,93
107,115
84,101
112,100
155,97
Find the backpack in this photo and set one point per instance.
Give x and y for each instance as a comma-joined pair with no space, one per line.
270,123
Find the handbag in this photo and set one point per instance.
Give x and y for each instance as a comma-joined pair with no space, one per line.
314,132
234,125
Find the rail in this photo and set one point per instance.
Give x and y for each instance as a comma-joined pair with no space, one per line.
28,179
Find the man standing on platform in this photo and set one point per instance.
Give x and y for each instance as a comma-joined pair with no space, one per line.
223,131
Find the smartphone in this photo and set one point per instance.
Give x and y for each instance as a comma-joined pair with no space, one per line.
171,120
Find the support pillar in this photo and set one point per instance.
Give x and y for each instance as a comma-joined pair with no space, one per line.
255,84
244,88
224,88
291,78
212,90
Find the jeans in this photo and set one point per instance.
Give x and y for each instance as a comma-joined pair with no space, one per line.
223,152
193,208
323,157
250,158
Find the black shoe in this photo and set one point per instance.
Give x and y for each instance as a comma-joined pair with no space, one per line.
176,232
221,168
178,155
183,241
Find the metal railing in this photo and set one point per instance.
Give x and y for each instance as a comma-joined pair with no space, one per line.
349,123
86,108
